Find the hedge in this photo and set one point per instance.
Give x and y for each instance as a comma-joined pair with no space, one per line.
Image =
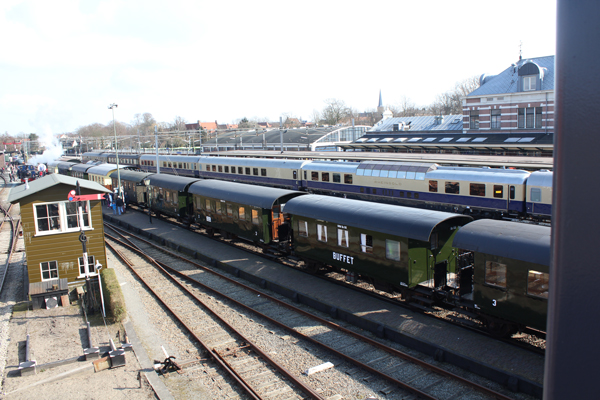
113,296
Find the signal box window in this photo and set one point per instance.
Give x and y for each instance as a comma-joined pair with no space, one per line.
452,187
366,243
499,191
49,270
336,178
321,233
433,186
477,189
392,250
325,176
302,228
536,195
314,176
537,284
348,178
342,238
495,274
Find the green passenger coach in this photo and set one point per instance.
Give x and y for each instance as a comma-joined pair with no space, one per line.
254,213
396,247
168,195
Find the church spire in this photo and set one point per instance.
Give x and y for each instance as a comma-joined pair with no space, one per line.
380,106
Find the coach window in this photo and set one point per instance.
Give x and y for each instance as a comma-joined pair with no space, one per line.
263,172
171,165
208,205
180,165
227,168
477,189
392,250
49,270
322,233
433,186
233,170
314,176
168,196
325,176
248,215
247,171
366,243
294,175
304,175
495,274
452,187
342,235
348,178
229,210
220,168
242,212
255,171
512,192
537,284
536,195
255,219
336,178
165,164
214,168
219,209
302,228
236,215
499,191
240,170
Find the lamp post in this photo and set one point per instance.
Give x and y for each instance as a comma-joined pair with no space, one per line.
112,107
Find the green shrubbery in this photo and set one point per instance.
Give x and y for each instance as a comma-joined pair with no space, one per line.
113,296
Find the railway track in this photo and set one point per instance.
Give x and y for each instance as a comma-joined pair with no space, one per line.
397,374
9,235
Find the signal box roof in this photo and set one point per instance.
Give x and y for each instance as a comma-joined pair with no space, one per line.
46,182
412,223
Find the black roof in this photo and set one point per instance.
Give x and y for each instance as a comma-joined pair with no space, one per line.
171,182
514,240
134,176
65,165
81,167
412,223
258,196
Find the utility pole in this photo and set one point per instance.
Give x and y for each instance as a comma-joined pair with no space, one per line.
156,148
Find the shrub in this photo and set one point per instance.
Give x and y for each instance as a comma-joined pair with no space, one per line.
113,296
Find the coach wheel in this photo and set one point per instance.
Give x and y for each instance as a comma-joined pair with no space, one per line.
501,329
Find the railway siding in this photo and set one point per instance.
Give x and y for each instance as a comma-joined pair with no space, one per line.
455,345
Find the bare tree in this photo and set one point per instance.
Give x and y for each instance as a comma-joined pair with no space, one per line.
316,117
335,112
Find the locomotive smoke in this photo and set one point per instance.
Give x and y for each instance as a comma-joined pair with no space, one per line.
53,148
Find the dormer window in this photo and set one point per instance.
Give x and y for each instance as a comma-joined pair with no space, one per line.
529,82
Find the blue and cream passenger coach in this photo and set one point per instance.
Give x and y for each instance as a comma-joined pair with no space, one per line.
396,247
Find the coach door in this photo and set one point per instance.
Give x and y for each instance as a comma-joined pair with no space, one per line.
276,221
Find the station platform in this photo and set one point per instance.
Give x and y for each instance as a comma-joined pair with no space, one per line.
516,368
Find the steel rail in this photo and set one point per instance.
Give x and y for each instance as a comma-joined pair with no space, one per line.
325,322
254,347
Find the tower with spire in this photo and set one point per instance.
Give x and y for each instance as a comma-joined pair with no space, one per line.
380,106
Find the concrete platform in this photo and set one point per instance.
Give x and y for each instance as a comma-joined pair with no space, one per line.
495,360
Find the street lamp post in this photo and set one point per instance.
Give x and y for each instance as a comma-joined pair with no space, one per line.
112,107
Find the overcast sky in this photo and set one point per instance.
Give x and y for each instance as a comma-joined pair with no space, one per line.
63,62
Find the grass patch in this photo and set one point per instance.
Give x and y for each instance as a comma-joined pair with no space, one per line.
113,296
